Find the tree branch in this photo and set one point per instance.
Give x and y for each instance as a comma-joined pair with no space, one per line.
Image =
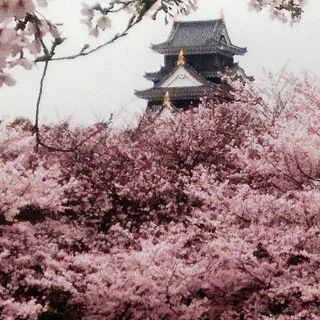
132,22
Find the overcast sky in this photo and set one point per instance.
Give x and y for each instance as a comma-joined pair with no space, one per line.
93,87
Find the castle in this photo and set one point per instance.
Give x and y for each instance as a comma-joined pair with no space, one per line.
197,55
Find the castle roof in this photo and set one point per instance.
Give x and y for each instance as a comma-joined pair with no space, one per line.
177,93
195,37
234,73
182,82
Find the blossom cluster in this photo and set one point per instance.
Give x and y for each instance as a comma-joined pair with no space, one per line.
22,33
210,214
283,10
95,18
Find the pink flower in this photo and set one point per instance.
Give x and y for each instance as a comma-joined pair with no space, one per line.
5,78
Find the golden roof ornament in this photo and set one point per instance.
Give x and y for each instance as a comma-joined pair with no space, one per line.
181,59
166,100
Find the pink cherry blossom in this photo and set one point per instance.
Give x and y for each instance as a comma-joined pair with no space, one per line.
212,213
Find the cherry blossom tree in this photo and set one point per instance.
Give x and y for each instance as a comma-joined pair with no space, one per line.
211,214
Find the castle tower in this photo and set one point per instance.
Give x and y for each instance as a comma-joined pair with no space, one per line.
197,54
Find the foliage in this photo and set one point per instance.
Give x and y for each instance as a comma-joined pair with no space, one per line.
210,214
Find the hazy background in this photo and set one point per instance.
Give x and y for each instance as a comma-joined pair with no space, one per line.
92,87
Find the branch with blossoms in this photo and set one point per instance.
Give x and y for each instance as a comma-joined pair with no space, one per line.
283,10
23,28
97,19
22,34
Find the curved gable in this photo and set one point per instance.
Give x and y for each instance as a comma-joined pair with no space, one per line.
181,77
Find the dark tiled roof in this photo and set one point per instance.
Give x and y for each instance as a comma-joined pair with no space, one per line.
211,74
157,93
155,76
197,37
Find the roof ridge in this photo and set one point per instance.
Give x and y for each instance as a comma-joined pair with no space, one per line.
182,92
197,36
197,21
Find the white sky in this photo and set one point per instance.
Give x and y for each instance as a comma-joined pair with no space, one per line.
92,87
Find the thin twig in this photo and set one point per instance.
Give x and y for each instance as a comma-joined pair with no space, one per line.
36,125
132,22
